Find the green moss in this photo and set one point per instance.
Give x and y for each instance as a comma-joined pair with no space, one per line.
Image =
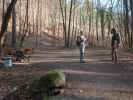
57,78
48,83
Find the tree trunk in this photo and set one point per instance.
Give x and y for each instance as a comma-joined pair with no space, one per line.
6,19
73,26
25,28
14,27
97,25
64,20
69,26
131,7
3,9
126,22
102,15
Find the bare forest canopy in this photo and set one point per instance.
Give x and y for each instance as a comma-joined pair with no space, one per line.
63,19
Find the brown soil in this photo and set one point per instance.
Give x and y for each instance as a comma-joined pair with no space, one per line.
97,79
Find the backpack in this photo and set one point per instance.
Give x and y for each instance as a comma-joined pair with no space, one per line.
115,39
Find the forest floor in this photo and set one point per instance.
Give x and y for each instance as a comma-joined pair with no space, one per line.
97,79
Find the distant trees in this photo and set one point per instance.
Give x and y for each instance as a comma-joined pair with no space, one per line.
67,21
25,25
66,18
63,13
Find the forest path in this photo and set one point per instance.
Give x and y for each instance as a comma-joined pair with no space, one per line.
97,79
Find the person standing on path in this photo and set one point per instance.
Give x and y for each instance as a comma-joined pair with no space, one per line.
115,42
81,44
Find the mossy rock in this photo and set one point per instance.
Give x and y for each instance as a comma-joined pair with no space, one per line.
56,78
50,82
39,89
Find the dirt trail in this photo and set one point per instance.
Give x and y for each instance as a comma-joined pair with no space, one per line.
98,74
97,79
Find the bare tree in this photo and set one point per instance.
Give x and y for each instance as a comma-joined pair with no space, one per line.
131,8
69,25
126,22
6,19
14,27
